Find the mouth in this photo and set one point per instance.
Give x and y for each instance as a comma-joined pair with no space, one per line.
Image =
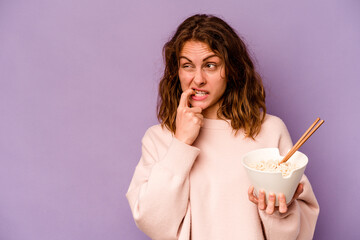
199,93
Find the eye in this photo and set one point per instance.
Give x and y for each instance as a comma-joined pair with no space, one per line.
186,65
211,65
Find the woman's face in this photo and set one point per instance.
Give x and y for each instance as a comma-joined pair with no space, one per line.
204,71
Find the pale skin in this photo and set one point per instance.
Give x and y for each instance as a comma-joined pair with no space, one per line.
202,79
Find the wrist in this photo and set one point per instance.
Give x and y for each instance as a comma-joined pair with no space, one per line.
184,139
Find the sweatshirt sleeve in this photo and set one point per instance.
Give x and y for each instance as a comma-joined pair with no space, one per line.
300,219
159,191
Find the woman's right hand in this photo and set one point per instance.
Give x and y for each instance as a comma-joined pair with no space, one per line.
270,207
188,119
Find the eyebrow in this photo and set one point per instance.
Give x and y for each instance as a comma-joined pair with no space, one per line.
213,55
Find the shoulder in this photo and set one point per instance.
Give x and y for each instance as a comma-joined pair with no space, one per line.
157,133
157,140
273,127
273,122
158,130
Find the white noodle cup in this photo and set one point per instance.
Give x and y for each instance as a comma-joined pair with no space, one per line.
274,182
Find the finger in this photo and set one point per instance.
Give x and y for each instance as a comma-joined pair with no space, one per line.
262,204
271,204
199,115
196,109
197,120
184,99
251,195
298,191
282,203
191,114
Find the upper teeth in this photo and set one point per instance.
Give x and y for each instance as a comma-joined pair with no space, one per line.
200,93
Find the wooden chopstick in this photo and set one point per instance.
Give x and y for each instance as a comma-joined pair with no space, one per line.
303,139
306,133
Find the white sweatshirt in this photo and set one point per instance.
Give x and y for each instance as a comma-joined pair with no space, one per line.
199,192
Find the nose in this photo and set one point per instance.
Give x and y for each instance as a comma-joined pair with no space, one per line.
199,78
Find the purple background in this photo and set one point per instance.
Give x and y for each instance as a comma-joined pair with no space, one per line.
78,88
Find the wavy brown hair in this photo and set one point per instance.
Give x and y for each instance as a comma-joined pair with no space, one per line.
243,101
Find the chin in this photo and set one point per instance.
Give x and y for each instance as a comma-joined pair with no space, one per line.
201,105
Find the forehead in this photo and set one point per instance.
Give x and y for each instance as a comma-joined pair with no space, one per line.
195,48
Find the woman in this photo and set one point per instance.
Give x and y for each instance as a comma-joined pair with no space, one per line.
189,183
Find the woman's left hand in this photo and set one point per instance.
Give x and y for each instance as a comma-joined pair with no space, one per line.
270,207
